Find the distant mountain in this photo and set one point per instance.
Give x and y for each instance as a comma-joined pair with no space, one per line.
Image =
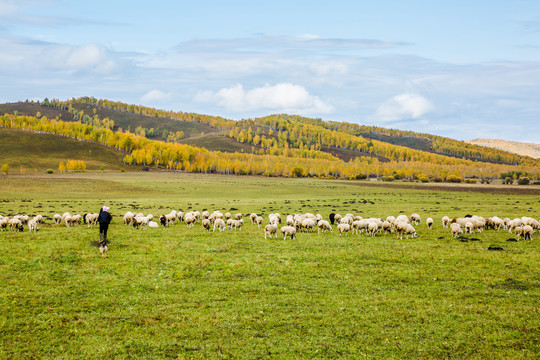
520,148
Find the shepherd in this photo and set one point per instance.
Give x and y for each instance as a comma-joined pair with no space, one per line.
104,220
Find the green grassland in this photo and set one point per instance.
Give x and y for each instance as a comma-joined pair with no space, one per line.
176,292
39,152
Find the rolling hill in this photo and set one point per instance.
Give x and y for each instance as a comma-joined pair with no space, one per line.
39,152
310,147
521,148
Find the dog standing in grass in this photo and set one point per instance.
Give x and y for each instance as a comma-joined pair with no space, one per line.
103,248
104,219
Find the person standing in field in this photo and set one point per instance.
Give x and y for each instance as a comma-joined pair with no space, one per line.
104,219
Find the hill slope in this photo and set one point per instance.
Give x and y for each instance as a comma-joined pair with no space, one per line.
526,149
40,152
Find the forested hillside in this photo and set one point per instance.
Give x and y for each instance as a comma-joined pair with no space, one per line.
276,145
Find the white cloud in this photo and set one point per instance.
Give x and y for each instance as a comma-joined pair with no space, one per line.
283,97
156,96
403,107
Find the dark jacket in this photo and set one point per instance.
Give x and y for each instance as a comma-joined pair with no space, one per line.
104,217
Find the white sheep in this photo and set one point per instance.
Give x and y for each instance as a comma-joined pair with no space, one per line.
455,229
288,231
415,219
4,223
190,219
206,223
39,219
236,224
528,232
220,224
128,218
252,217
373,227
469,227
409,230
429,223
308,224
270,229
91,219
140,221
153,224
15,224
519,232
445,221
343,228
259,220
387,226
33,225
57,219
324,226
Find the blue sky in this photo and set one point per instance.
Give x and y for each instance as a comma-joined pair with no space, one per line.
463,69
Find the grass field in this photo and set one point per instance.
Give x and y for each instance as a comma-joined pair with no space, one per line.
185,293
38,152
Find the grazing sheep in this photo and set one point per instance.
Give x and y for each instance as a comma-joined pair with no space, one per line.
373,227
150,217
259,220
400,226
33,225
455,229
288,231
519,231
140,221
252,217
402,218
236,224
91,219
163,220
469,227
513,224
429,223
4,223
308,225
270,229
332,218
220,224
387,226
445,221
528,232
409,230
238,216
15,224
205,215
324,226
227,215
76,219
358,226
206,224
57,219
128,218
391,219
190,219
415,219
68,220
39,219
337,218
343,228
289,220
153,224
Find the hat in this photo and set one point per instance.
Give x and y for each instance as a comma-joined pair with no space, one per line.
105,208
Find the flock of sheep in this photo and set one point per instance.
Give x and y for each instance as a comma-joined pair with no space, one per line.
293,223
